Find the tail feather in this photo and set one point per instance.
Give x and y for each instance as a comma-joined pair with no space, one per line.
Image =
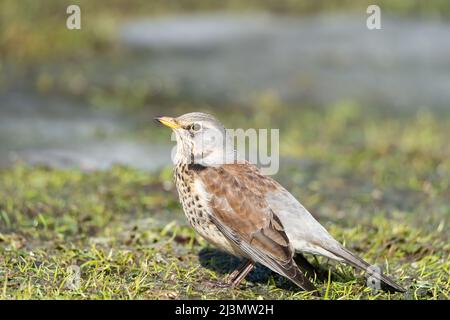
291,271
359,263
297,276
309,270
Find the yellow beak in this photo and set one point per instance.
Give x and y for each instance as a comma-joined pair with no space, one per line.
168,122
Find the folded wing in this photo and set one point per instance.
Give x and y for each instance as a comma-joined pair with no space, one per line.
239,210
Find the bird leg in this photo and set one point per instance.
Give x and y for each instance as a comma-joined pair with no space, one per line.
234,278
229,278
239,274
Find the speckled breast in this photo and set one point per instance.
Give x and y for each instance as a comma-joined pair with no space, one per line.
190,200
196,210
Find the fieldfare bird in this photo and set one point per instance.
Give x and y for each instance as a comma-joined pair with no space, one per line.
238,209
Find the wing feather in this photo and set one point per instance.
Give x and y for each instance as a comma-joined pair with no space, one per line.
240,212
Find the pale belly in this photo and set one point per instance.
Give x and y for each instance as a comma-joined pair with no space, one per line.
199,220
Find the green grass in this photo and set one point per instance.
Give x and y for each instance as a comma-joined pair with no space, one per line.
379,185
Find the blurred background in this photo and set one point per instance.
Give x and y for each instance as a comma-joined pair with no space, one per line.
363,114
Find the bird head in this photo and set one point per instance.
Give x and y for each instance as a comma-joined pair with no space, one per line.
201,139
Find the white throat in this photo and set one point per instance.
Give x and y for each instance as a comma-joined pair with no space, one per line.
209,155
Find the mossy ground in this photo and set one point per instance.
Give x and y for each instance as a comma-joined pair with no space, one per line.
381,187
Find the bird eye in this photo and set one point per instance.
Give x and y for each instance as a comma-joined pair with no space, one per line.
195,127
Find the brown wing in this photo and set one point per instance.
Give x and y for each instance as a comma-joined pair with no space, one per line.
240,211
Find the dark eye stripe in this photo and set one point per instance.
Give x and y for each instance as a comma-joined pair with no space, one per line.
193,127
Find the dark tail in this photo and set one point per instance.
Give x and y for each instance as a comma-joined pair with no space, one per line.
357,262
308,269
291,271
297,277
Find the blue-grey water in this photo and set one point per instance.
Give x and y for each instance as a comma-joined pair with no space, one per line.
319,59
219,58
